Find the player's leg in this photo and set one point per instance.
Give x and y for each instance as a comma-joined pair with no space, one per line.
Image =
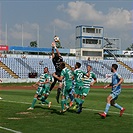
44,99
77,94
71,96
38,93
59,91
109,98
45,94
84,93
53,84
63,100
122,109
33,102
65,93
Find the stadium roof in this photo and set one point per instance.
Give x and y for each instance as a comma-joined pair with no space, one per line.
35,49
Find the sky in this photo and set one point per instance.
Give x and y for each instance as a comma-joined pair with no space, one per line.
45,18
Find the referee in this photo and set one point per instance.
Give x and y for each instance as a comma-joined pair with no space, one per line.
56,59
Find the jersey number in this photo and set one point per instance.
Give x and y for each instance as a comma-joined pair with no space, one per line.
80,76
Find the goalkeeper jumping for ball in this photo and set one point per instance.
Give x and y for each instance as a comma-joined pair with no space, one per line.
56,59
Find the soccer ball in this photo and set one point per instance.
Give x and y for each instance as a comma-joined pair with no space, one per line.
56,39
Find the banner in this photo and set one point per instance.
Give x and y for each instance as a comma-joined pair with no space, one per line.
3,48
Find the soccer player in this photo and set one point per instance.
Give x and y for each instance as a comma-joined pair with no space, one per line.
57,59
87,83
116,90
72,92
42,89
78,77
67,75
46,91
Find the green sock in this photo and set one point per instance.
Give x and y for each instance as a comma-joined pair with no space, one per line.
62,104
46,101
33,103
77,100
43,99
65,102
82,101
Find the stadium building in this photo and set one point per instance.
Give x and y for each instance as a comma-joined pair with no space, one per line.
89,42
91,47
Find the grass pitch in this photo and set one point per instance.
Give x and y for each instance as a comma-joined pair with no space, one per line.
15,117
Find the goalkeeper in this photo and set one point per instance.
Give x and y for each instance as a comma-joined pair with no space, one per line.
56,59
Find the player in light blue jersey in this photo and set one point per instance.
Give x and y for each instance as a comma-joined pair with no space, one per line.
116,90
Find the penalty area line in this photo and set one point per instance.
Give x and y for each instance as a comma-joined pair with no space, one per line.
94,110
8,129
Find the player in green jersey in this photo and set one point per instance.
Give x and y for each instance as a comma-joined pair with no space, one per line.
46,90
87,83
41,89
66,76
78,77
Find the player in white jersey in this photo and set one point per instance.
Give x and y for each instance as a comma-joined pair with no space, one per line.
87,83
41,88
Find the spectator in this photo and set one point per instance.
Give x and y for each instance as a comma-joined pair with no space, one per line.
23,56
5,56
88,58
96,60
41,62
1,56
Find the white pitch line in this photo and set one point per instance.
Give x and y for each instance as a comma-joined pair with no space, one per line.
94,110
8,129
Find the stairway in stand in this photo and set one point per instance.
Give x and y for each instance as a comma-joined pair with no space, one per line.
8,70
126,66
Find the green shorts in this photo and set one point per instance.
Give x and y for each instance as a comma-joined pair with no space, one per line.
66,89
46,90
78,89
85,91
39,91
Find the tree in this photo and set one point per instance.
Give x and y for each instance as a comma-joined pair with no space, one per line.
130,48
33,44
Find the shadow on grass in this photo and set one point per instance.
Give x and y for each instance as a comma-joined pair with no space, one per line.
53,110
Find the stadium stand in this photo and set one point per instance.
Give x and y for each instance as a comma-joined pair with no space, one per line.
22,67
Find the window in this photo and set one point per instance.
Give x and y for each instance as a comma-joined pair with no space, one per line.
99,41
84,30
99,30
96,30
91,41
83,40
90,30
91,53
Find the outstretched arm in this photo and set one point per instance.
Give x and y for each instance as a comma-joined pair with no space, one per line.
52,51
92,83
57,51
105,87
59,78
